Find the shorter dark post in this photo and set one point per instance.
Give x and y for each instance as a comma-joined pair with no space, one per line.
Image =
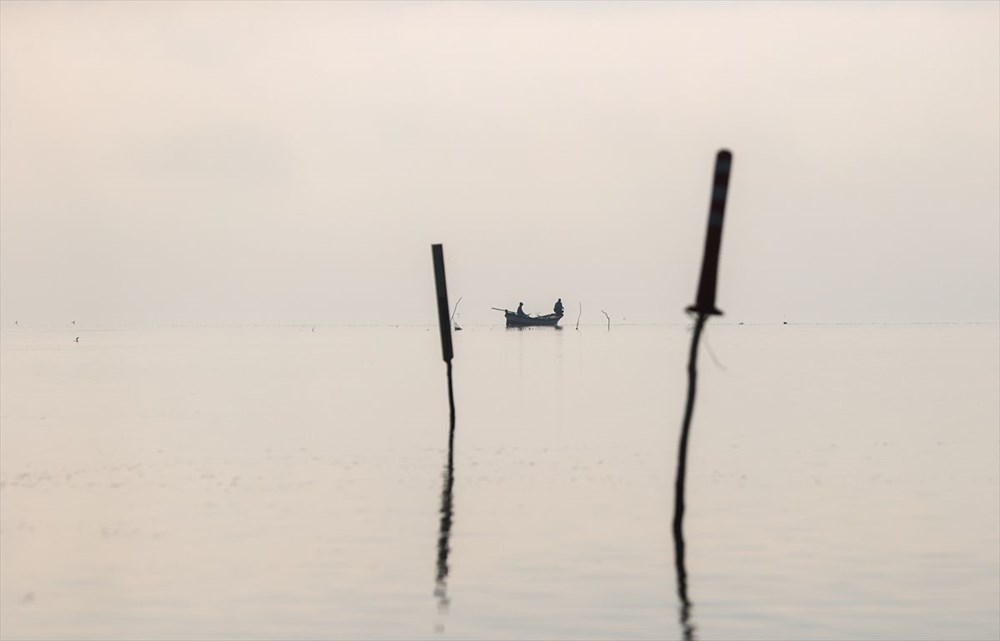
444,320
442,300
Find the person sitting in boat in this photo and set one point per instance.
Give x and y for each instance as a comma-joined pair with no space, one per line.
520,309
558,309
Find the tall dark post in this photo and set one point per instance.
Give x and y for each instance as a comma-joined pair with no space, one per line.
444,320
703,307
705,303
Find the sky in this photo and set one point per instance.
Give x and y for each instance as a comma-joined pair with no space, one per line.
291,163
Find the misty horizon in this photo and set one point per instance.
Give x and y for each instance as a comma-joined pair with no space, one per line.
244,163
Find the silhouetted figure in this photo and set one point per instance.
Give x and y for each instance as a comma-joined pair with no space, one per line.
558,309
520,309
76,340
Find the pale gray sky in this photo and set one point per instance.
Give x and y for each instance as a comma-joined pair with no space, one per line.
255,162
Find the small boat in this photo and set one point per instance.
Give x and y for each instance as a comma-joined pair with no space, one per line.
549,320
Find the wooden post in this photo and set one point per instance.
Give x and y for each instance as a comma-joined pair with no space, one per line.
442,300
444,321
705,303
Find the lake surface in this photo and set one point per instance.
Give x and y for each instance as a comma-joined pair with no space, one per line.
284,482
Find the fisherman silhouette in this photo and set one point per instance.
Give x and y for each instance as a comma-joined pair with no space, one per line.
520,309
558,309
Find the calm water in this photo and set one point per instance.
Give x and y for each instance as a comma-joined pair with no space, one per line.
288,483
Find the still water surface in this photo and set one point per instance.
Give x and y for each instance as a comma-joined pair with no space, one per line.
281,482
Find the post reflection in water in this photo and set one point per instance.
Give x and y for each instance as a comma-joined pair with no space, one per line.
444,529
687,623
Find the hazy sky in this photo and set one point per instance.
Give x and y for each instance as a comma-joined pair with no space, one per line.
255,162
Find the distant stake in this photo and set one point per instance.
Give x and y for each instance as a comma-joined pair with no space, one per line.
703,308
444,321
455,311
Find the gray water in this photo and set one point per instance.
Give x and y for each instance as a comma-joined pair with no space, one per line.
285,482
